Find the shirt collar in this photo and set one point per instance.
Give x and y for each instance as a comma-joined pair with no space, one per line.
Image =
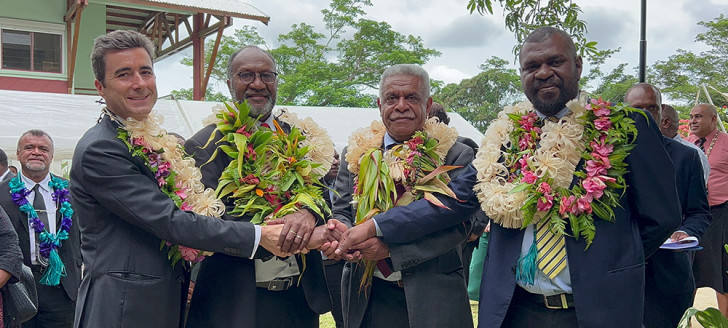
389,141
30,184
558,115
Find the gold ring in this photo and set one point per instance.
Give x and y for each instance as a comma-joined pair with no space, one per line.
293,232
298,236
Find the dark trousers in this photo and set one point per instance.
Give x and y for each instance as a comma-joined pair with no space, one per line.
663,310
333,270
387,306
55,309
526,312
284,309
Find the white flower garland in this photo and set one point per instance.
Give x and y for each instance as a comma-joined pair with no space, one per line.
561,147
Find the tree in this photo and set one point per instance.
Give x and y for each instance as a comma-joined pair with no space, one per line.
209,95
524,16
682,74
480,98
336,67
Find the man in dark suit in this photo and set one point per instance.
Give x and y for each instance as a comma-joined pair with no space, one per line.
669,282
5,173
123,215
239,292
55,303
426,287
601,286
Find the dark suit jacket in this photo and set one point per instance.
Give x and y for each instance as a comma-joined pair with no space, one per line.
123,217
11,261
70,250
670,272
608,277
431,266
9,176
224,294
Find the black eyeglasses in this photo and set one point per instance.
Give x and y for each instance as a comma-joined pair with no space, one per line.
249,77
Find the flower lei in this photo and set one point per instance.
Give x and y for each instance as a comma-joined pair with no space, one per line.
416,164
272,173
49,242
176,175
526,170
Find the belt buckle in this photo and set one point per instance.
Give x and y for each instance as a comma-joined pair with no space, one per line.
277,285
564,304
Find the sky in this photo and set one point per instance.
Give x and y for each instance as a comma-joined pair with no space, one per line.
467,40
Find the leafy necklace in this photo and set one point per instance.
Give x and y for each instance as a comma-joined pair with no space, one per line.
527,170
49,242
415,166
175,173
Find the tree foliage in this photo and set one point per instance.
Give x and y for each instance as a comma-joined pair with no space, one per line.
480,98
683,73
339,66
524,16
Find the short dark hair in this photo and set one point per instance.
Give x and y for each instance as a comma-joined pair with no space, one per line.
116,40
3,160
36,133
544,33
437,110
230,72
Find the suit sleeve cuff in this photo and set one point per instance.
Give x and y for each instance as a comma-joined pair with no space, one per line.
376,226
257,241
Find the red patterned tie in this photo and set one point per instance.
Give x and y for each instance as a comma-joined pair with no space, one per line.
265,125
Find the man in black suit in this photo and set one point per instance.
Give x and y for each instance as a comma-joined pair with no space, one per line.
601,286
426,287
669,282
55,303
5,172
238,292
124,216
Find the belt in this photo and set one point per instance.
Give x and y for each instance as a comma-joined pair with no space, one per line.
277,284
554,302
719,206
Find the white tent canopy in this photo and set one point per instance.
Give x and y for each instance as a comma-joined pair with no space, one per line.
67,117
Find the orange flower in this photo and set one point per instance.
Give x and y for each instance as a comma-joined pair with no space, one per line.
259,192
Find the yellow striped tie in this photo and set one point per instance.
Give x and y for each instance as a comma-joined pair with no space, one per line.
551,250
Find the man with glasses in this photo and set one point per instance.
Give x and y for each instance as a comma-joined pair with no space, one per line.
265,292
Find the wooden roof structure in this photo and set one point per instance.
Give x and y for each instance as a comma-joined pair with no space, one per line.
172,25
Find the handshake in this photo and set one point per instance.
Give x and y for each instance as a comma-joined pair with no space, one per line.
297,233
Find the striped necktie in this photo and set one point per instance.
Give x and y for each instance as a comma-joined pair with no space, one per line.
551,250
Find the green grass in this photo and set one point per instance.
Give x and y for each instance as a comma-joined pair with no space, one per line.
327,321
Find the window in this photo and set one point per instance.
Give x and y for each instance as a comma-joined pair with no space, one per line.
31,51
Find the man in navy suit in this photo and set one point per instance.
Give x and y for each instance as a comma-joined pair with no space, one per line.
601,286
669,282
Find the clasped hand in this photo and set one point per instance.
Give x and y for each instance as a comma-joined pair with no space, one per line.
297,233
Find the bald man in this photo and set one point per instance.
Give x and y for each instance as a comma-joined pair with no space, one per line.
669,282
669,125
712,262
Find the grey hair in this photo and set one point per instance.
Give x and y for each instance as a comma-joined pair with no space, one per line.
36,133
116,40
544,33
407,69
230,68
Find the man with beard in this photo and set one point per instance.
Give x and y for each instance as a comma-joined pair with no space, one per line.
236,292
56,303
598,286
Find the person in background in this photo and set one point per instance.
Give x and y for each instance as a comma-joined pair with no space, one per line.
5,172
11,262
711,263
669,125
669,281
42,189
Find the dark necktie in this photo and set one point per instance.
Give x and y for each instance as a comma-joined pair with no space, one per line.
40,209
700,143
552,118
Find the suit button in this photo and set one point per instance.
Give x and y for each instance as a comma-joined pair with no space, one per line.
513,270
